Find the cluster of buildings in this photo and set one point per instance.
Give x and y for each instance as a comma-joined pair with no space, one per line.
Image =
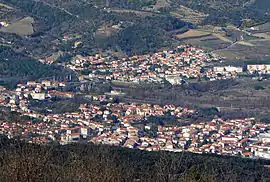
183,63
18,99
259,68
104,121
175,66
228,71
250,69
229,137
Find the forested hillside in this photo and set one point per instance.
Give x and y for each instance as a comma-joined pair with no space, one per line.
28,162
15,67
85,21
123,26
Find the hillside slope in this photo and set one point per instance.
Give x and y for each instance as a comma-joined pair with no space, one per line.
30,162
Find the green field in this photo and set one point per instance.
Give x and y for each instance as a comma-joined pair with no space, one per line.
192,34
20,27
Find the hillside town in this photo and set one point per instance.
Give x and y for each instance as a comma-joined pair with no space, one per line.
103,120
129,125
174,66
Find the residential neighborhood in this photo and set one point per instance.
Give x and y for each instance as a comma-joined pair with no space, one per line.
105,121
174,66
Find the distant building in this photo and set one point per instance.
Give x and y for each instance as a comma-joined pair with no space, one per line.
260,68
47,83
263,154
174,80
31,83
38,96
226,69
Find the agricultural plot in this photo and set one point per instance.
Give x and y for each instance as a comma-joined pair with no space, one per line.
221,37
192,34
246,43
20,27
209,43
246,50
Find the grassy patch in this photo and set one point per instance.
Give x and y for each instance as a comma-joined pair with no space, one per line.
262,35
245,43
225,39
192,34
21,27
231,55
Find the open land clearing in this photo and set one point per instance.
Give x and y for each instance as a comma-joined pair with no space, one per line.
192,34
245,43
231,42
208,42
20,27
221,37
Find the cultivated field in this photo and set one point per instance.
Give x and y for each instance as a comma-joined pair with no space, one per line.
192,34
20,27
231,42
208,42
221,37
246,43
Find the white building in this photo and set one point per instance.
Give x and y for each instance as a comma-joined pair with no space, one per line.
38,96
174,80
262,154
226,69
47,83
261,68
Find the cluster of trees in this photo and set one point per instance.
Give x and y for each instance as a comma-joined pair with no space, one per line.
6,115
15,67
51,16
56,18
127,4
80,20
58,105
147,35
79,162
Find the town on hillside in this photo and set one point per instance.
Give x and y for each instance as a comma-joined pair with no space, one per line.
175,66
106,121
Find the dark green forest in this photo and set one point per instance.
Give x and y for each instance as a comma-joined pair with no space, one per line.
138,35
20,161
15,68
